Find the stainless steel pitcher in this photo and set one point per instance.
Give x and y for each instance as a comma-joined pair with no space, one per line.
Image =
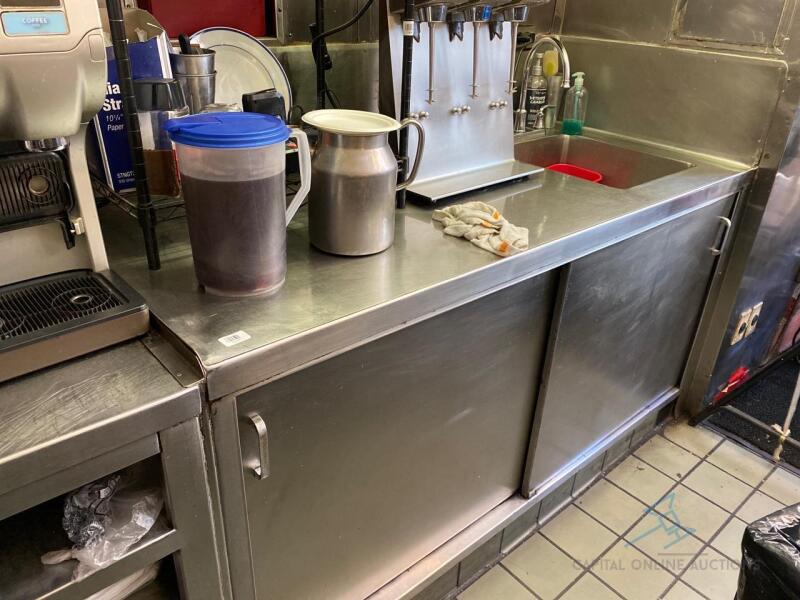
354,181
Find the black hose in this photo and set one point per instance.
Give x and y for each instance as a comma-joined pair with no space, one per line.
144,206
405,99
362,11
317,47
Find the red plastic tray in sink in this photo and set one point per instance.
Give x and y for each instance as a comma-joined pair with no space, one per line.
576,171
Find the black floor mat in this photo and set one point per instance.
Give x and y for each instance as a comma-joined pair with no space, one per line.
767,400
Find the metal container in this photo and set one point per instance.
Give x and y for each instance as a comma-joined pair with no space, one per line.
197,77
198,89
354,181
201,63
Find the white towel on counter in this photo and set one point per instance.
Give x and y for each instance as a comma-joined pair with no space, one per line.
484,226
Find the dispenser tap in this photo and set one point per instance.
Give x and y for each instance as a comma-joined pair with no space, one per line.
496,24
432,14
455,24
515,15
477,14
520,113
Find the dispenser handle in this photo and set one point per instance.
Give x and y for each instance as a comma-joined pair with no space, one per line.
304,158
420,148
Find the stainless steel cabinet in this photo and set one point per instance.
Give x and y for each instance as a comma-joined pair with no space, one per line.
624,324
381,454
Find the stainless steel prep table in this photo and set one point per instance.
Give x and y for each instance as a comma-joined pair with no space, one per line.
329,303
282,375
70,424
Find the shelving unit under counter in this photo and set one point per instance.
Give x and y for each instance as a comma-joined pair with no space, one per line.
72,424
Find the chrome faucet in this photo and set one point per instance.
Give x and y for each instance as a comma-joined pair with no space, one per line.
521,113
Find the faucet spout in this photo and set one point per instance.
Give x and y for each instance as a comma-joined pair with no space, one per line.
520,113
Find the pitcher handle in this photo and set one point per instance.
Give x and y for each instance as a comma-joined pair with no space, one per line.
304,158
420,147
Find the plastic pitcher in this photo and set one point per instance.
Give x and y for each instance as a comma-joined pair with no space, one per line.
233,173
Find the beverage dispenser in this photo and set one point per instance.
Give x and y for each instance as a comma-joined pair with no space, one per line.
461,91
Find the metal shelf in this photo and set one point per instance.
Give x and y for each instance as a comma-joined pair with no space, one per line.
165,586
166,207
28,535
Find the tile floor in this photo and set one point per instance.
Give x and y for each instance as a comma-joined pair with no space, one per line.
666,523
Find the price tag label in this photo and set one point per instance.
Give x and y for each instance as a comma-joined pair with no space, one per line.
234,338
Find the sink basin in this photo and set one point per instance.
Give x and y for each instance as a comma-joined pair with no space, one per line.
621,168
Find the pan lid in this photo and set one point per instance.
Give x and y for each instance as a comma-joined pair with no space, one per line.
350,122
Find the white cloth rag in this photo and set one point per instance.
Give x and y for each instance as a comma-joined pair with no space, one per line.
484,226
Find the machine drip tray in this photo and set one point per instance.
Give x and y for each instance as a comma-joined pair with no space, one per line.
50,319
431,191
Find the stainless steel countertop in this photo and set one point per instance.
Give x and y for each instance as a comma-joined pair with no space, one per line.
330,303
61,416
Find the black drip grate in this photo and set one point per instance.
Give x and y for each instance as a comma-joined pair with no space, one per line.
53,303
32,186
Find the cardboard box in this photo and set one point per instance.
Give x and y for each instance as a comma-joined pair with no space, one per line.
148,47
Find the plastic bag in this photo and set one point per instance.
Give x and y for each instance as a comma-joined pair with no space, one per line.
771,557
105,518
86,511
127,585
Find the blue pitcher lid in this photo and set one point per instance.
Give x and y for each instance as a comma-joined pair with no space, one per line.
227,130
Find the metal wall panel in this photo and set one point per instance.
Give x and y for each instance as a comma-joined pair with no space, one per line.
353,78
540,18
680,97
745,22
630,20
753,269
298,14
770,274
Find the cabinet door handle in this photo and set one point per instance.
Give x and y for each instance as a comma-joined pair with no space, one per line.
726,224
261,471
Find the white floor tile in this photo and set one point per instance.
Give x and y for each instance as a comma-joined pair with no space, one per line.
543,567
695,439
783,486
713,575
578,534
631,573
611,506
758,505
719,487
681,591
497,584
740,463
667,456
641,480
673,547
692,512
590,587
729,540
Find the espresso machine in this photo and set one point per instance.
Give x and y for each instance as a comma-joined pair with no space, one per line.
58,298
462,90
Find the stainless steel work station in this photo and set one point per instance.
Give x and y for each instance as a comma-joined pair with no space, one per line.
349,299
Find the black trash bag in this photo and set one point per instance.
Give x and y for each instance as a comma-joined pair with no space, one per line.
771,557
